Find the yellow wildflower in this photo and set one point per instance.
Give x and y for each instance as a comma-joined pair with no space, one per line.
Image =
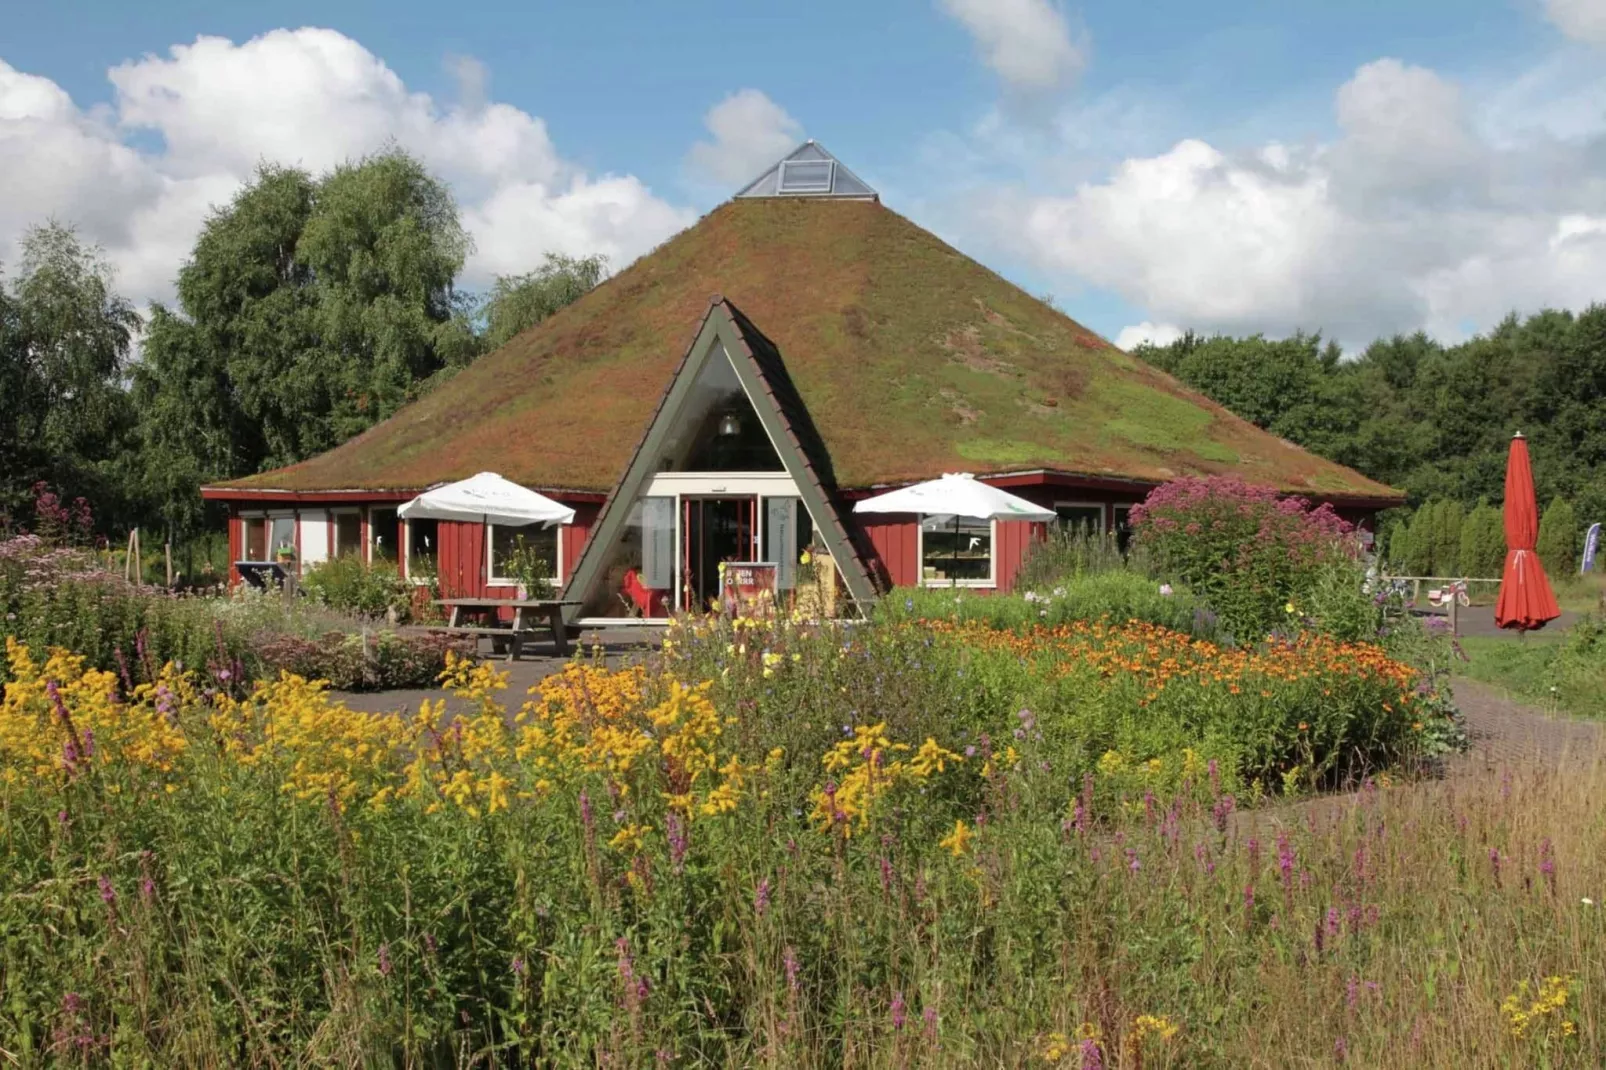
958,841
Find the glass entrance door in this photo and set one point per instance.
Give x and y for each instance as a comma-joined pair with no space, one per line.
714,530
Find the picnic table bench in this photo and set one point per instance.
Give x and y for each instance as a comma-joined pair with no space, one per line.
528,615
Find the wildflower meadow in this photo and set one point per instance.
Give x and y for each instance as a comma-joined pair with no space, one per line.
1080,827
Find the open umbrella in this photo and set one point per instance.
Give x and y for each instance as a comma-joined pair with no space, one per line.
954,496
1526,601
488,499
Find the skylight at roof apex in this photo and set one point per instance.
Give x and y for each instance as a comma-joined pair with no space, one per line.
809,171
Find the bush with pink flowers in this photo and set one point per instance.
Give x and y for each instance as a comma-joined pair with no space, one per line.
1250,551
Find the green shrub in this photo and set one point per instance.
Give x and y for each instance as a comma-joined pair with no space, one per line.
350,583
1068,552
1245,550
1558,538
1117,596
1483,542
377,661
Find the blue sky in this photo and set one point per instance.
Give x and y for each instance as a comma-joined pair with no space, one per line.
1130,169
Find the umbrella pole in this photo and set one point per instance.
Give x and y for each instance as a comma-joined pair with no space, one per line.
953,565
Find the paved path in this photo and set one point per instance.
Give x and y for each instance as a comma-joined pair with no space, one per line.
1479,621
616,646
1505,731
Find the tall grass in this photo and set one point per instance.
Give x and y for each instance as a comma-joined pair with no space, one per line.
1565,673
872,847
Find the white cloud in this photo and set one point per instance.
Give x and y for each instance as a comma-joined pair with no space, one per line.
1137,334
1414,216
750,131
1582,20
215,109
1026,42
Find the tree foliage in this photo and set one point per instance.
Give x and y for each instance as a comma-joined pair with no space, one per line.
65,339
1558,538
1434,420
518,302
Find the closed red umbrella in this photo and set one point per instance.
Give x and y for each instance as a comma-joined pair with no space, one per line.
1526,601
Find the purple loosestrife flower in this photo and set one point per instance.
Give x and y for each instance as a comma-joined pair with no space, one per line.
518,966
586,817
108,894
675,833
1254,857
1132,863
1285,858
789,962
900,1013
886,874
1092,1055
1222,811
1494,864
1341,1049
761,897
929,1017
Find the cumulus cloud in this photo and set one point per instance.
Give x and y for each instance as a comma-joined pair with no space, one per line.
1027,43
750,132
1146,333
1582,20
1412,217
309,97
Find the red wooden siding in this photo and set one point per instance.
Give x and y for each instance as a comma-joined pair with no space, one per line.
236,543
1011,543
576,534
897,548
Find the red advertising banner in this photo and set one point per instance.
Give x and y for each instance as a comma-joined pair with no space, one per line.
747,588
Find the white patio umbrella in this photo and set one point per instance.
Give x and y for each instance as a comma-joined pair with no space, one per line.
954,496
489,499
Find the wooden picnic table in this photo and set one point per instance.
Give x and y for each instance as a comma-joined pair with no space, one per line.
528,614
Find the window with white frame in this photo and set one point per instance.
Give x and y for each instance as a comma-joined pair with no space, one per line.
281,533
423,550
1080,518
384,534
513,550
254,537
1123,526
957,552
346,529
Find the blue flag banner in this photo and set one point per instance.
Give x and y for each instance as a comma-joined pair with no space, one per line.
1591,544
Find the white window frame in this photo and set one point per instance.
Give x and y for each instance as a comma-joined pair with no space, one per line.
992,561
407,556
1102,507
367,521
255,516
334,513
493,580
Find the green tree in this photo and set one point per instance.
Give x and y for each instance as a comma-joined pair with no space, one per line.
1447,522
1419,559
1558,538
1483,542
518,302
65,338
309,311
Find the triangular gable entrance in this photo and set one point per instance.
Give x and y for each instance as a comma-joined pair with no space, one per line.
728,335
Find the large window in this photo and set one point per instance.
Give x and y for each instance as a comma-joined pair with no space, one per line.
535,544
347,530
1123,526
638,578
958,553
384,535
1080,518
255,543
281,534
788,531
423,549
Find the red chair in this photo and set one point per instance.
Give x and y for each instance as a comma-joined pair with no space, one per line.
643,599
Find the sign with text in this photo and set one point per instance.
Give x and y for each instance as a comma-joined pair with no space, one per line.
747,588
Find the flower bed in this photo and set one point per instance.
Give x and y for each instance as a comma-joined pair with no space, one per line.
771,865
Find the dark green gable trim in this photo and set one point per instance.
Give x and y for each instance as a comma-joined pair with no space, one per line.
724,331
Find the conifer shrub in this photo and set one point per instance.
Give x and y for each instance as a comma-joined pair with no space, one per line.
1558,538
